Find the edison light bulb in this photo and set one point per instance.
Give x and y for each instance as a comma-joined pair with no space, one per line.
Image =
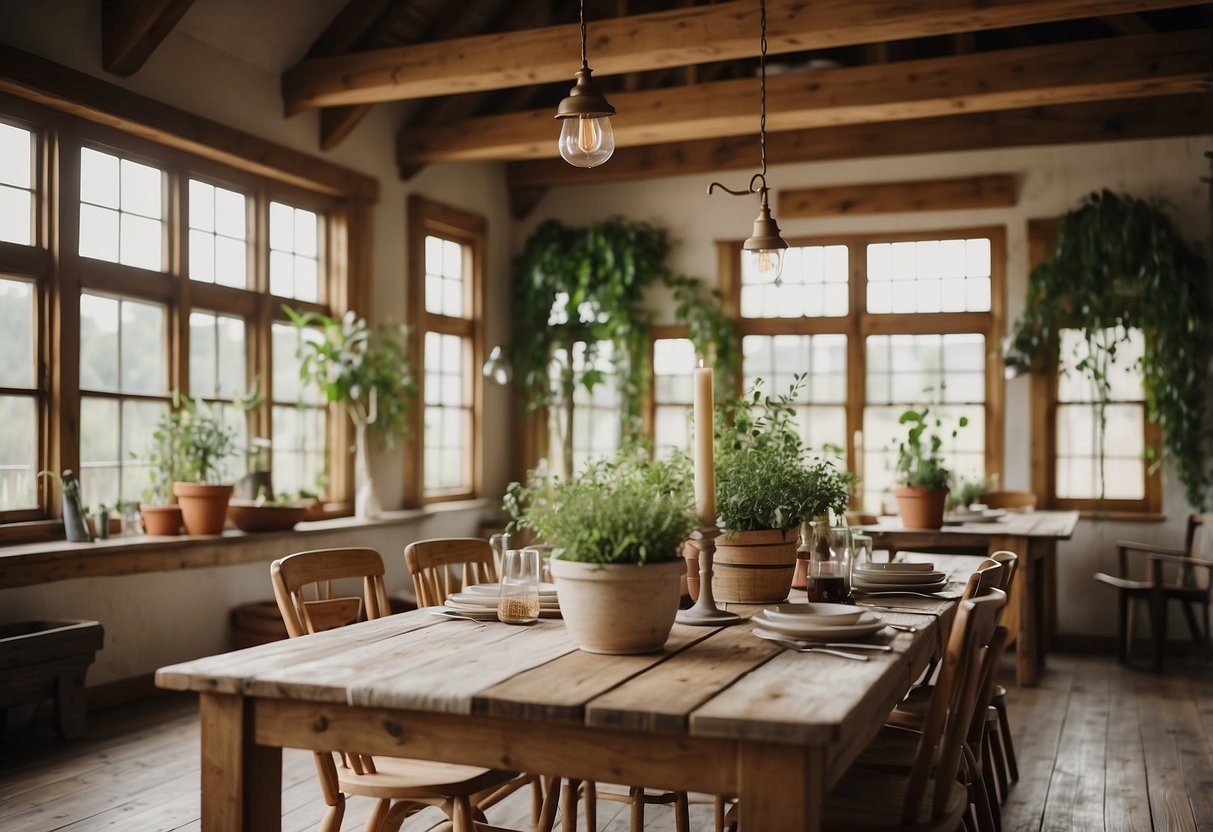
586,142
766,264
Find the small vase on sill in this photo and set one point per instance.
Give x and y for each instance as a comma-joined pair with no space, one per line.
366,501
74,526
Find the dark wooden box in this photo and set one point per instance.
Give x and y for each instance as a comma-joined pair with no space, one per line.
49,660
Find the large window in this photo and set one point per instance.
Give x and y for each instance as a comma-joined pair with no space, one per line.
447,278
880,324
146,270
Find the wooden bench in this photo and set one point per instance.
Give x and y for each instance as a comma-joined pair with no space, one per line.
48,660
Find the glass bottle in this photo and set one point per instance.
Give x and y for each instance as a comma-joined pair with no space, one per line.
829,567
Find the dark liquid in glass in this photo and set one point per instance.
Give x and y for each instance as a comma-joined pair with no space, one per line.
829,589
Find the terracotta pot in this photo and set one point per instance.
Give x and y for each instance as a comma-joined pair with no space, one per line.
203,507
161,520
249,517
800,578
754,567
920,508
691,553
618,608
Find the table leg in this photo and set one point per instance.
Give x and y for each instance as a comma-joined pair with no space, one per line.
781,787
1028,644
241,781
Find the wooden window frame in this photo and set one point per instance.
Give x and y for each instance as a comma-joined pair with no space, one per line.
429,218
68,110
1042,238
858,323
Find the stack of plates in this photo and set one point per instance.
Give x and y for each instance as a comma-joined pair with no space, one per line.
815,622
898,577
959,516
480,601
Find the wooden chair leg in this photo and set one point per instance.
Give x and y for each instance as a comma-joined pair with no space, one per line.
682,813
374,823
998,758
568,805
718,812
461,814
1008,745
551,803
1193,627
1124,619
1158,615
590,797
536,800
637,808
1208,639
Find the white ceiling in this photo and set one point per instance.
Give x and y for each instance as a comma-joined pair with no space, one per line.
270,34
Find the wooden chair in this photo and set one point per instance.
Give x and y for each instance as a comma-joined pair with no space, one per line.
402,786
442,566
1013,500
928,795
1184,575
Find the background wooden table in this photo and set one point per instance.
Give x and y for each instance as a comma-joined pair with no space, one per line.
719,711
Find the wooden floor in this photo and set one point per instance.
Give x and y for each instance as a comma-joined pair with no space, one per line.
1101,747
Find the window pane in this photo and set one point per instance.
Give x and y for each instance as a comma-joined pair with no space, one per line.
909,369
218,229
287,387
202,206
144,367
1124,375
98,343
16,215
121,210
820,404
217,356
141,190
444,287
1078,442
231,214
98,233
16,156
139,420
202,256
98,178
447,417
17,315
963,455
674,363
813,284
929,276
202,354
294,255
232,361
18,452
299,448
141,243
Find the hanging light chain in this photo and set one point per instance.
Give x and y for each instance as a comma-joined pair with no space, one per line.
762,88
583,60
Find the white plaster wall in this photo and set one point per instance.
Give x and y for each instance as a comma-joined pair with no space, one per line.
1052,180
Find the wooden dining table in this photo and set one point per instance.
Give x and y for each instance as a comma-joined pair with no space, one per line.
718,711
1033,536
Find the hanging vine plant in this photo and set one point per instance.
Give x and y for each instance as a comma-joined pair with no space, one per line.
1121,264
577,288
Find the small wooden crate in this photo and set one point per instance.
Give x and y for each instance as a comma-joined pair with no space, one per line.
49,660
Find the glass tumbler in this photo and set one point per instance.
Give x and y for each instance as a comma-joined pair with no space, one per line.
500,544
519,602
861,549
829,572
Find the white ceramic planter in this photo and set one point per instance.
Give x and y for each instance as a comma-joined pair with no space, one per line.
618,608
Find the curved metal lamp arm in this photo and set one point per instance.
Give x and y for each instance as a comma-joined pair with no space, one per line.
752,189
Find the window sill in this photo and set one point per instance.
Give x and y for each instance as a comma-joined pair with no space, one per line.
37,563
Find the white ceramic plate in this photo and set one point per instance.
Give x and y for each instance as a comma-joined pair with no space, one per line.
896,568
898,578
865,626
495,589
864,586
825,615
464,600
485,613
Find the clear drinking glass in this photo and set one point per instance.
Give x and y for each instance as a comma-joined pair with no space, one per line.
519,603
861,549
829,573
500,544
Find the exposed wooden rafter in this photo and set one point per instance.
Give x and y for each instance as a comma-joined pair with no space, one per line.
1145,118
1008,79
132,29
658,40
351,28
993,190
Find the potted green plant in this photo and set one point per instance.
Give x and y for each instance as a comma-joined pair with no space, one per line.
369,372
159,510
924,479
616,529
205,441
766,486
75,513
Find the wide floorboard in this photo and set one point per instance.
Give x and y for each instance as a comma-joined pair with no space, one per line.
1100,746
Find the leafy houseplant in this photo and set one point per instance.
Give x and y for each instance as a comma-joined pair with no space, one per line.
924,479
766,486
576,288
204,442
617,526
366,370
75,513
159,510
1121,264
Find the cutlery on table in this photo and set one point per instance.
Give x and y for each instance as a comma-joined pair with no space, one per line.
882,593
911,610
878,648
797,646
905,628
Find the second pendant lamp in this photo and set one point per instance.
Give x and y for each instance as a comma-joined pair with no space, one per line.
586,137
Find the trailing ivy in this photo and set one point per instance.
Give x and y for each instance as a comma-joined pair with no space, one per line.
588,286
1121,264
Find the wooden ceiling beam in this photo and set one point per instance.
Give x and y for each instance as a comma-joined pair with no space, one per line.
132,29
716,32
991,190
352,27
1002,80
1145,118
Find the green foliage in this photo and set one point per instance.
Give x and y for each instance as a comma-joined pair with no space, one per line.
68,484
628,509
764,478
205,441
163,455
368,371
588,285
918,460
1121,264
970,491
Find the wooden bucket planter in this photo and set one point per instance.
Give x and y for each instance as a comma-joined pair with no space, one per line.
49,660
754,567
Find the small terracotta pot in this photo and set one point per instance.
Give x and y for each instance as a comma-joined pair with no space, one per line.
203,507
920,508
161,520
800,578
618,608
690,552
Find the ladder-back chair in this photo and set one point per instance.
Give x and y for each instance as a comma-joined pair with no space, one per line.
443,566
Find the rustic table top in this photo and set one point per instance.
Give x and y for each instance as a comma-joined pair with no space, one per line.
1058,525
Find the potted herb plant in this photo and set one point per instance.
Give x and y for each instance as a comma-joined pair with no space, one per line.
369,372
766,486
205,441
924,479
616,527
159,510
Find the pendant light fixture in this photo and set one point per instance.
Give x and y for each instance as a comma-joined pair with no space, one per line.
763,251
586,137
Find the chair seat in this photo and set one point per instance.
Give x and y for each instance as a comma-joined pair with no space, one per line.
401,778
893,748
1145,587
866,801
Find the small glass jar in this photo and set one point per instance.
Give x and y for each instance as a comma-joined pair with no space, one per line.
829,567
519,601
861,549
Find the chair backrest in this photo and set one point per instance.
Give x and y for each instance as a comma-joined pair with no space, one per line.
987,575
293,575
1009,562
1021,500
1198,543
951,710
442,566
